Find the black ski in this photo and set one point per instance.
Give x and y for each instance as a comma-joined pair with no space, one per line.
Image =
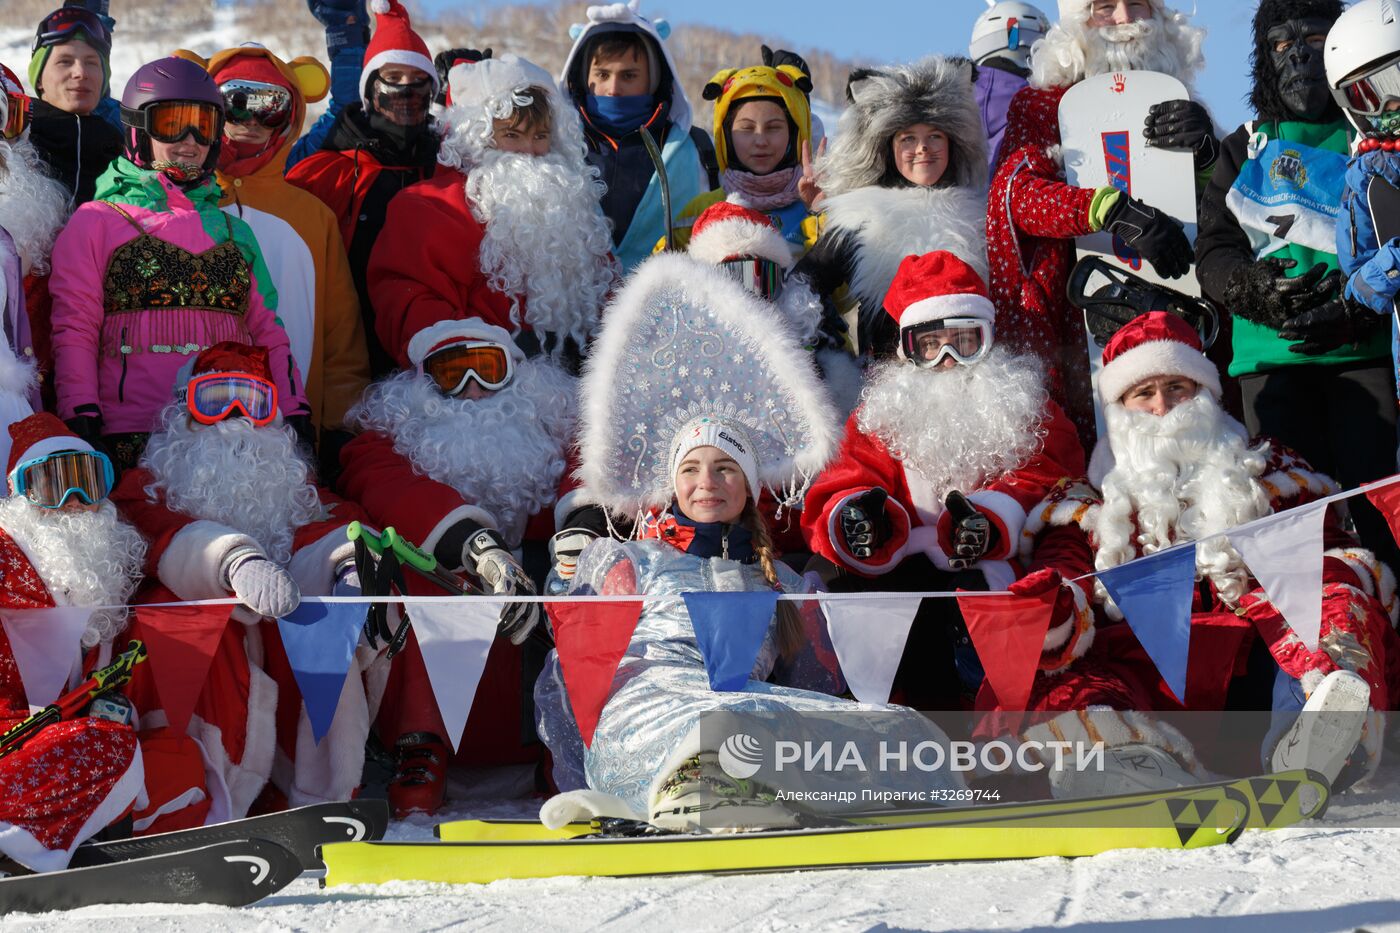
298,831
232,874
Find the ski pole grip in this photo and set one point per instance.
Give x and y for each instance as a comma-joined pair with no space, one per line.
358,532
408,552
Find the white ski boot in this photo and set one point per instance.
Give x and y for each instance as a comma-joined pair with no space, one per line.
696,795
1328,729
1127,769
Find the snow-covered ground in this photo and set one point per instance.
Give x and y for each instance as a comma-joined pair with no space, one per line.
1342,874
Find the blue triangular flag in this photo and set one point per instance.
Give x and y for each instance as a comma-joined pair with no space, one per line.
1154,594
319,639
730,628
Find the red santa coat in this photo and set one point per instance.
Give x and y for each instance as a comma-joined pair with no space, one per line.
915,509
1033,217
248,724
423,509
70,780
416,280
1358,609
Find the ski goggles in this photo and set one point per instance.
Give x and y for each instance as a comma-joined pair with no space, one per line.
51,480
487,363
763,277
268,105
1367,94
963,339
213,397
16,114
170,121
66,22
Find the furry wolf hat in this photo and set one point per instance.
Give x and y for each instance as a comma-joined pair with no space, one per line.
934,90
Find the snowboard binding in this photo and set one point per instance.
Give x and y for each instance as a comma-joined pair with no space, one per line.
1111,297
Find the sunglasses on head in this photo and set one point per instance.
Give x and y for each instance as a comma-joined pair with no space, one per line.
51,480
213,397
268,105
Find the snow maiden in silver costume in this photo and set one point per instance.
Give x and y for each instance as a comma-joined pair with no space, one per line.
689,360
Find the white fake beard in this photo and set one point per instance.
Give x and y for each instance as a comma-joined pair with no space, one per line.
1181,476
505,453
546,239
33,207
85,558
959,428
1071,52
254,480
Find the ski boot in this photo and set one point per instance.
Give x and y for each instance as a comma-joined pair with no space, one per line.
420,775
1328,729
696,795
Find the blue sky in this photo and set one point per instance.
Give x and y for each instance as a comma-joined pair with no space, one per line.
901,30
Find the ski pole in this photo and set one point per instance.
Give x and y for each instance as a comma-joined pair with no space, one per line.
99,682
664,182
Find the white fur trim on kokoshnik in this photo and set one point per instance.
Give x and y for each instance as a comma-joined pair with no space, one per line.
1156,358
729,238
683,340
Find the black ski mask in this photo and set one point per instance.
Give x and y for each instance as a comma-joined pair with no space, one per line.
1298,69
1290,80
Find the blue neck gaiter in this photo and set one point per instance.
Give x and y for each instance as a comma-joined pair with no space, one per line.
618,116
713,539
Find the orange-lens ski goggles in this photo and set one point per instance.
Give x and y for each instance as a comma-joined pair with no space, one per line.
16,114
450,368
213,397
51,480
172,121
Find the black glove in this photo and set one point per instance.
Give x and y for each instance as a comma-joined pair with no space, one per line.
1339,322
443,62
487,556
305,431
864,524
1262,292
973,533
1183,125
1157,236
87,426
346,22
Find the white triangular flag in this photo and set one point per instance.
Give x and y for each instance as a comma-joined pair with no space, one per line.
869,637
1284,553
455,638
47,645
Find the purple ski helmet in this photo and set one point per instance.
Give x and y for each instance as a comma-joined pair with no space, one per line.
167,79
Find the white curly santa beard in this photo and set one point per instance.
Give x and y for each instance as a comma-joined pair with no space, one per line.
1179,477
33,207
1070,52
546,239
506,453
84,558
254,480
962,427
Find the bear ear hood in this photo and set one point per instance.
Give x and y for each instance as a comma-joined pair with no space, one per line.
1263,94
625,17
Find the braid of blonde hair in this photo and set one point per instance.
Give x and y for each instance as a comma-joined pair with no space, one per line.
789,622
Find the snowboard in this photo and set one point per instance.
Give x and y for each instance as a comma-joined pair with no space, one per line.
1383,202
1182,818
1101,121
299,831
232,874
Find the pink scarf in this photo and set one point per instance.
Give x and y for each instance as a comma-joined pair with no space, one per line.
763,192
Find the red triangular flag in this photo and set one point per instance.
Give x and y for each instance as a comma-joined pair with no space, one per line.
181,642
1009,635
591,638
1386,499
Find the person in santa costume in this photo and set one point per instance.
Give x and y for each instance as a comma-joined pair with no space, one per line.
1174,467
954,440
63,544
518,238
229,503
377,147
466,455
1033,216
33,208
907,174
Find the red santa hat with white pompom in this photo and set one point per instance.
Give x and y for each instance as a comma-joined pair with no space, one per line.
727,230
38,436
394,43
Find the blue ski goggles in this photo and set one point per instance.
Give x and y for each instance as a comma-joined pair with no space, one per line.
51,480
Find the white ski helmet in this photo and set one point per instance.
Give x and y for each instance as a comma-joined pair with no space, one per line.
1363,59
1008,29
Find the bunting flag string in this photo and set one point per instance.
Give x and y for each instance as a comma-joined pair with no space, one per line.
181,642
1284,553
319,640
730,628
1009,635
869,640
591,638
455,640
1154,594
47,646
